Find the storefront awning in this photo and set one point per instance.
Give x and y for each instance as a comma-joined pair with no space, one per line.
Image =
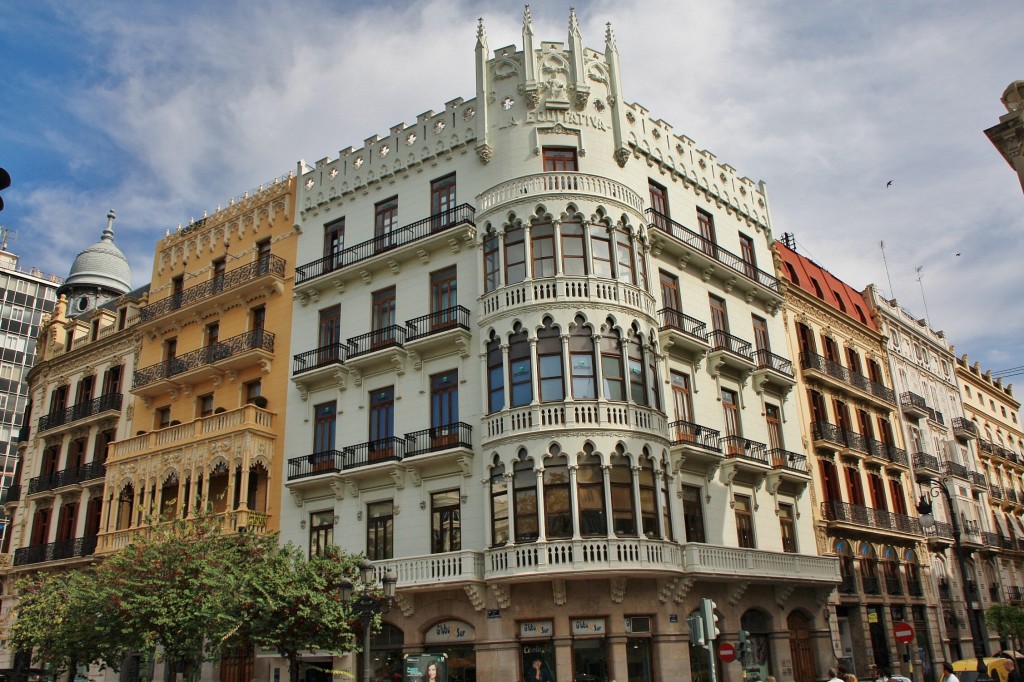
1003,528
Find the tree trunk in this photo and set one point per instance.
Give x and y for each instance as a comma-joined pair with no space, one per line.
293,667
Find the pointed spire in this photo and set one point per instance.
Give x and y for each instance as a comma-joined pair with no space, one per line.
574,25
527,20
481,34
529,57
609,38
108,234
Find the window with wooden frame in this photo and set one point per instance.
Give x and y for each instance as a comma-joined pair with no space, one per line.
380,530
444,408
854,486
321,532
693,513
773,420
542,250
601,252
385,222
442,202
620,483
219,268
647,485
877,488
744,521
492,263
382,422
787,526
611,366
560,159
624,254
671,298
499,506
574,254
444,298
84,390
524,499
830,481
761,341
581,361
112,380
557,499
550,373
334,243
659,205
520,374
590,497
706,226
748,256
719,315
515,255
445,522
495,376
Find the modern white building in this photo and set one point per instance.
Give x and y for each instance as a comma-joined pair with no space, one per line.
538,374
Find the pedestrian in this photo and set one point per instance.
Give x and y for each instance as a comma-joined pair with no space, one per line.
947,673
833,675
1012,674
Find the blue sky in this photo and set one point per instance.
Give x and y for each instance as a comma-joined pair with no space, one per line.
165,110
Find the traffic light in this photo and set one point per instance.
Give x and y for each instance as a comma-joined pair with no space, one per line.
707,614
696,625
744,645
5,182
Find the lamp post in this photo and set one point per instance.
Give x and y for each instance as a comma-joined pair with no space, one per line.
924,509
366,604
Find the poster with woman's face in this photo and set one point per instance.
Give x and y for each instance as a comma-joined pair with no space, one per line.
538,662
425,668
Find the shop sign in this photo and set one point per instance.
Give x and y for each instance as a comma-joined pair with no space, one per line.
536,628
588,626
450,631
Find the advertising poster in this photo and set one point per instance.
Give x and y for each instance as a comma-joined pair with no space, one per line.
425,668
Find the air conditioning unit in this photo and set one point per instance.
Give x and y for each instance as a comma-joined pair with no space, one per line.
638,624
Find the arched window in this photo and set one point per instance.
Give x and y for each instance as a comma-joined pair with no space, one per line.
519,379
611,365
125,507
542,250
590,492
574,255
637,371
623,504
499,505
557,507
524,490
912,572
666,517
845,554
492,263
624,257
549,361
648,497
515,255
581,360
653,385
869,568
759,625
495,375
890,569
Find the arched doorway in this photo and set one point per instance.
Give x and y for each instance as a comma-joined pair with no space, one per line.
758,625
800,650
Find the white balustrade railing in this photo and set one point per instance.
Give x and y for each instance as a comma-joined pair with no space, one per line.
574,289
568,414
540,184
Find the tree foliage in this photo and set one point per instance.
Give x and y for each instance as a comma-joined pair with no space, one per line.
191,592
1008,621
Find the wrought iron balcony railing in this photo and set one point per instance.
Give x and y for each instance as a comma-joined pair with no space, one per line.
737,446
784,459
956,469
439,222
111,401
978,479
11,494
721,340
922,460
912,401
437,322
944,591
378,339
438,438
965,425
687,433
62,549
59,479
887,451
935,416
848,585
894,586
665,224
941,529
847,376
258,339
674,319
269,265
1010,495
320,357
765,359
827,432
837,510
995,491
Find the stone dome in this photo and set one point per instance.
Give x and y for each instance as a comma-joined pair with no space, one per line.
101,266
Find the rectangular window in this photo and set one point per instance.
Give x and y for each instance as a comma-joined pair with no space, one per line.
601,250
520,379
253,389
560,159
204,405
334,243
59,399
515,255
524,490
83,392
263,256
719,316
321,532
671,297
854,486
611,370
787,524
219,268
76,452
445,522
831,349
574,256
382,415
549,359
761,334
624,256
748,257
384,309
112,380
495,377
443,298
162,417
557,501
706,224
444,404
212,336
258,318
492,264
693,513
773,419
581,360
442,202
385,223
499,508
744,521
542,250
731,408
877,492
324,418
380,520
659,205
853,361
177,286
682,398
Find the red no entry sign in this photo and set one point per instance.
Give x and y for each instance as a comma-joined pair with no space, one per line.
903,631
726,652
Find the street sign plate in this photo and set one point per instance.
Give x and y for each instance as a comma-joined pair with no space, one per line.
903,631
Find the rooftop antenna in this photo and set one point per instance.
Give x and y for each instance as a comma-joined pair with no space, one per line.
920,277
892,294
5,235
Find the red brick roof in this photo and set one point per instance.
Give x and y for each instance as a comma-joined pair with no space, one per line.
822,284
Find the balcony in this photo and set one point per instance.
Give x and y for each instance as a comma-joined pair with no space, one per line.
535,419
1010,495
583,291
376,349
789,469
913,405
839,512
65,477
744,459
964,428
834,374
434,571
828,436
697,446
708,257
438,333
996,492
915,588
992,541
1016,596
241,283
729,351
203,364
431,231
978,481
11,494
887,452
926,467
681,334
944,592
93,408
232,422
235,521
940,535
774,370
848,585
319,362
871,583
529,188
55,551
956,469
894,586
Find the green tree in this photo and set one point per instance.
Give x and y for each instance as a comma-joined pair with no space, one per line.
294,604
1008,621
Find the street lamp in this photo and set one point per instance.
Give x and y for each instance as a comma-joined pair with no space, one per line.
924,510
366,604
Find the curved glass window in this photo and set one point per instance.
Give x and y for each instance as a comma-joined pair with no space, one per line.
574,256
623,503
549,360
542,250
515,255
581,361
519,368
495,376
557,507
524,490
590,490
499,506
611,366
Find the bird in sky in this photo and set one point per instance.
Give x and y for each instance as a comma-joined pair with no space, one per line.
889,184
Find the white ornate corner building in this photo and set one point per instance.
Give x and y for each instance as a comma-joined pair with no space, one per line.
538,373
1008,135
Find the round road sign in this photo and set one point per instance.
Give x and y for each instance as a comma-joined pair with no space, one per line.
903,631
726,652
